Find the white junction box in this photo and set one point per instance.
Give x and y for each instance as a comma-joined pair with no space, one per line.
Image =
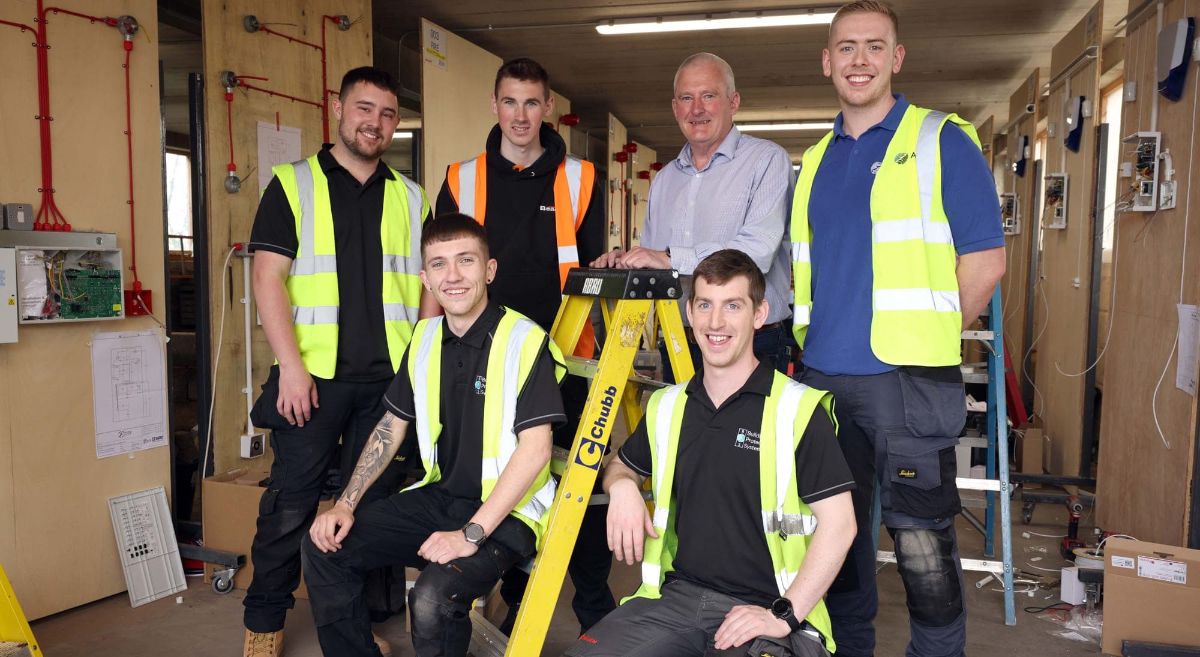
8,295
66,277
1144,155
1055,213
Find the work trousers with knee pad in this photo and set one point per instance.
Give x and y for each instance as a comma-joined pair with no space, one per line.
389,532
898,431
334,437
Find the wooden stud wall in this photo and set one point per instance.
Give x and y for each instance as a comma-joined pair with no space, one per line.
56,537
1067,253
294,69
457,103
642,159
1014,286
1143,485
618,136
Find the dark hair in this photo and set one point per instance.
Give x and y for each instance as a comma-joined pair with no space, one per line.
726,264
868,7
452,226
525,70
376,77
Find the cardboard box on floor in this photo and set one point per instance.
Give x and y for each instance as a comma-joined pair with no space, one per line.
1030,450
1151,593
230,516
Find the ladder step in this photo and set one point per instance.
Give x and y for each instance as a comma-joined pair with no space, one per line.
586,368
971,483
984,336
10,649
980,565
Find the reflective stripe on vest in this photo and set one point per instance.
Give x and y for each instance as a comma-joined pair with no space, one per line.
312,282
916,314
787,521
516,346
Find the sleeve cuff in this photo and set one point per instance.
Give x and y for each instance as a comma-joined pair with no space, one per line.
980,245
817,496
404,415
554,419
273,248
630,465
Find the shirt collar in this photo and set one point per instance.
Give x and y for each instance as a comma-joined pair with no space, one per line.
484,325
728,148
889,122
758,383
329,164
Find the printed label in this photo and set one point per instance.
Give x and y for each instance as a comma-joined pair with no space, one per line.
1123,562
1163,570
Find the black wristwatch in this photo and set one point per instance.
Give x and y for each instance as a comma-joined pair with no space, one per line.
782,609
473,532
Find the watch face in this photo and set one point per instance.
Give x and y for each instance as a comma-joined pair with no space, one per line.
782,608
473,532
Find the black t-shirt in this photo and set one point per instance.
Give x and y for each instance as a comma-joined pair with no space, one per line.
357,208
718,509
520,224
464,382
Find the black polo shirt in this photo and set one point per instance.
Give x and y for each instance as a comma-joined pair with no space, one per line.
464,382
357,214
718,510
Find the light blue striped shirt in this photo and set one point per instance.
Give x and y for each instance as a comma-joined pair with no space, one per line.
740,200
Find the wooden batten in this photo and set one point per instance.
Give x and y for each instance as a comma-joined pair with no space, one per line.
616,205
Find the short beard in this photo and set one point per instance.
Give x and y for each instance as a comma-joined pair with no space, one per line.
351,145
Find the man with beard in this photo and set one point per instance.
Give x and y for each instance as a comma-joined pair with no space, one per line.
336,243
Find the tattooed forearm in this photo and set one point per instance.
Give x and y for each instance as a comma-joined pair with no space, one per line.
376,455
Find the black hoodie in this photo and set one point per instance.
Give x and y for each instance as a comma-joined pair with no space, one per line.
520,227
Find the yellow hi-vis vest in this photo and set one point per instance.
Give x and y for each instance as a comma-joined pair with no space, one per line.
312,284
916,317
787,521
572,195
516,344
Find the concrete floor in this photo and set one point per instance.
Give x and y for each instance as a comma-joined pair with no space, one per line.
206,624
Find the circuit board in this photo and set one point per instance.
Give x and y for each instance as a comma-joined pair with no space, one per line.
90,293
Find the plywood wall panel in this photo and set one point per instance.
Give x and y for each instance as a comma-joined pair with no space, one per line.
56,539
293,69
617,191
1143,483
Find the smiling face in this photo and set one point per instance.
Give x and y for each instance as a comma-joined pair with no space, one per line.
861,58
367,117
724,319
703,105
457,271
520,106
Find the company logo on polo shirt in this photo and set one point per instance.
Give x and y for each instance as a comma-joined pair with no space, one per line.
901,158
746,439
480,385
875,168
546,208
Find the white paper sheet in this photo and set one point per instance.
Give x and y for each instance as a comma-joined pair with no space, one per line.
275,146
1189,344
129,391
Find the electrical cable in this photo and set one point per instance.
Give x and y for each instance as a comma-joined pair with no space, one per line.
216,362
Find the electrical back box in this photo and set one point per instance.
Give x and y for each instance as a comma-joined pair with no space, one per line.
1055,213
1010,215
8,295
1144,181
66,277
18,216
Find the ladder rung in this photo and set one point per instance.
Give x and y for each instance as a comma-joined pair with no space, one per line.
971,483
981,565
985,336
586,368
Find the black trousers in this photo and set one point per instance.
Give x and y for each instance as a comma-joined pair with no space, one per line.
303,455
389,532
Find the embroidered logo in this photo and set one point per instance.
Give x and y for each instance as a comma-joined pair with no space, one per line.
746,439
875,168
901,158
546,208
906,473
480,385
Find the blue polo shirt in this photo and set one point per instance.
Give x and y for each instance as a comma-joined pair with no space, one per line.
839,211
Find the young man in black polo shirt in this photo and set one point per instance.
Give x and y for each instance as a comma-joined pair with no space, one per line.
544,213
337,320
745,464
481,386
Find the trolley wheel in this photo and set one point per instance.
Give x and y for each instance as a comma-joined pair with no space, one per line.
222,585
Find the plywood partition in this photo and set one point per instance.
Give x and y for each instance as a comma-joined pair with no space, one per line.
641,161
1067,253
457,82
56,538
987,135
293,69
618,191
1021,247
1143,482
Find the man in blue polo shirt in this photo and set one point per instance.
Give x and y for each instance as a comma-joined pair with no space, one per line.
896,245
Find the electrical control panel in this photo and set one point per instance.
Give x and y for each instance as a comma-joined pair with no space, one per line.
1054,213
1142,150
1010,216
8,295
66,277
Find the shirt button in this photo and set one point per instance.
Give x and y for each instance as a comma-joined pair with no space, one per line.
460,364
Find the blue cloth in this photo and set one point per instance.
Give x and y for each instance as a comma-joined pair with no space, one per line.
839,337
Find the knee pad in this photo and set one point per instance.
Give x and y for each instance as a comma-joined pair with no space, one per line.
925,558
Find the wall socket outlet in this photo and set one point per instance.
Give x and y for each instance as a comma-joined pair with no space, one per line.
253,445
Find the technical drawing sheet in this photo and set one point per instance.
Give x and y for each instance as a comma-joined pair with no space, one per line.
276,145
129,391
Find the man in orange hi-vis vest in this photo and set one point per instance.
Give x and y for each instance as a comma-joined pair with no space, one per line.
543,211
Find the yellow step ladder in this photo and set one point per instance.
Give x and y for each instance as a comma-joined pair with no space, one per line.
16,639
634,296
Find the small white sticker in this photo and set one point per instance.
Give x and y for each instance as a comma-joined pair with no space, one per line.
1123,562
1163,570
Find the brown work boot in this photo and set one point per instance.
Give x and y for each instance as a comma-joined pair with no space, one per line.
263,644
384,646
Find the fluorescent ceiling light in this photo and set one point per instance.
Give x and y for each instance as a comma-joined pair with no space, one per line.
402,134
714,22
772,127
